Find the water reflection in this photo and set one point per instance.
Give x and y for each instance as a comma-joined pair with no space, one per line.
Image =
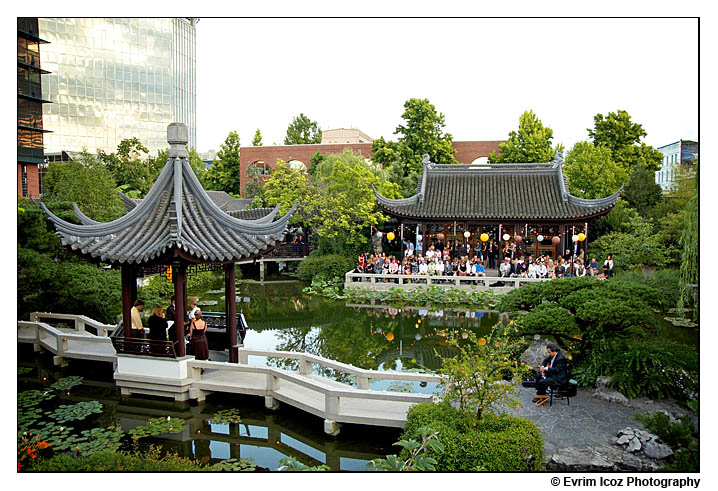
372,336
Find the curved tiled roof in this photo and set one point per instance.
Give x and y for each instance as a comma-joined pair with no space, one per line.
495,192
176,217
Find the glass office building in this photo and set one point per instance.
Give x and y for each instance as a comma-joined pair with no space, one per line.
117,78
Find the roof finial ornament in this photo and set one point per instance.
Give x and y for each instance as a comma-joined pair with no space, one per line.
177,137
426,159
558,157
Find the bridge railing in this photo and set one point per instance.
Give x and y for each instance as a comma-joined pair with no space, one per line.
306,360
361,279
66,344
80,322
332,394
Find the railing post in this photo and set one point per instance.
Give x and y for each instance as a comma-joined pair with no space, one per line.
305,366
79,324
331,406
362,382
272,385
428,279
372,279
401,279
243,357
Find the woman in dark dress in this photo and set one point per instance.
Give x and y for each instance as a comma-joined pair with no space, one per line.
158,328
197,331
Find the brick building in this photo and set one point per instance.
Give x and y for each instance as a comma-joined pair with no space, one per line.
467,152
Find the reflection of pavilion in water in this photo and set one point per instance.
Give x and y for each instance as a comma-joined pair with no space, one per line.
265,436
420,333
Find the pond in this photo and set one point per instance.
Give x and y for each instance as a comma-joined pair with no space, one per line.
281,317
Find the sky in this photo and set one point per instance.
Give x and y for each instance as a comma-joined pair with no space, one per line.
480,73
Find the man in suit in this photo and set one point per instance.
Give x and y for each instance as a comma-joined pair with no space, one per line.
553,372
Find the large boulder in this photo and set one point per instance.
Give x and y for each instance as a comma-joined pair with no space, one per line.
535,353
609,395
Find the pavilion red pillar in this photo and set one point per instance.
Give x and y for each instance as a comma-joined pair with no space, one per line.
179,278
129,280
230,296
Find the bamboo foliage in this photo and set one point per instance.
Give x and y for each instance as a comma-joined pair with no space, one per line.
689,255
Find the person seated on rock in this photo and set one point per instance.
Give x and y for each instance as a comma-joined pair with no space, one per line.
552,372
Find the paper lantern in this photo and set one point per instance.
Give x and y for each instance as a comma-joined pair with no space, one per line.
467,234
484,237
574,238
518,238
168,273
506,236
390,336
555,240
379,234
418,237
540,238
581,237
390,236
482,341
417,337
440,236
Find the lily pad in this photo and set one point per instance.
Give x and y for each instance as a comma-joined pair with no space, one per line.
158,426
30,398
67,383
27,418
681,322
225,417
24,370
95,440
234,465
76,412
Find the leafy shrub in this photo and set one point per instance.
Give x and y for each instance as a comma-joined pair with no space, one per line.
682,437
110,461
326,267
496,443
656,368
549,318
664,281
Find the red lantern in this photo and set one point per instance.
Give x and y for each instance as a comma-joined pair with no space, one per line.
555,240
518,238
168,274
440,236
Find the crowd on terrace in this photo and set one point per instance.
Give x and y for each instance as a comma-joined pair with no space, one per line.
465,261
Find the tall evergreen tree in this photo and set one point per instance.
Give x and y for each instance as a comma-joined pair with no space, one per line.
421,134
303,130
257,140
223,175
530,144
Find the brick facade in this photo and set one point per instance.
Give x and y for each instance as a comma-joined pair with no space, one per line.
33,180
466,152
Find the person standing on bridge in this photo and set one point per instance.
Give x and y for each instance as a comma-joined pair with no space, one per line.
137,330
198,338
158,328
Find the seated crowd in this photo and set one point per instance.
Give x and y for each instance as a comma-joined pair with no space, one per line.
444,263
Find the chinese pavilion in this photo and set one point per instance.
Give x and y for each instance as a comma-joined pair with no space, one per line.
528,205
176,225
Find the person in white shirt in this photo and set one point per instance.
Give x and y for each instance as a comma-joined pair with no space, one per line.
505,268
532,270
440,267
423,267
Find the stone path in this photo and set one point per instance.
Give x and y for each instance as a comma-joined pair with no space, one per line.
587,421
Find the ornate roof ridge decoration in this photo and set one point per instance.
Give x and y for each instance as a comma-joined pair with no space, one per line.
533,191
176,215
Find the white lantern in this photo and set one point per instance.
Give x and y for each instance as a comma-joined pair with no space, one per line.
506,236
540,238
379,234
417,337
574,238
418,237
467,234
378,329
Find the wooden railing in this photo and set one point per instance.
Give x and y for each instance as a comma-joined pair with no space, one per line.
401,280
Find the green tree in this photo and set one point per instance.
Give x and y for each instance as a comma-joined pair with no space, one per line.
254,189
303,130
642,192
257,140
223,175
421,134
287,185
622,136
88,183
477,373
133,170
195,161
530,144
689,253
591,172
